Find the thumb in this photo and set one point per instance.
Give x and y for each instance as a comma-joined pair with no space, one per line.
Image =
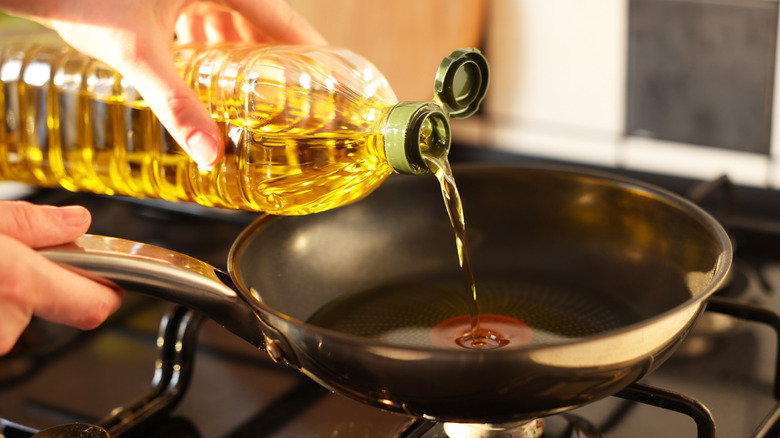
42,225
176,106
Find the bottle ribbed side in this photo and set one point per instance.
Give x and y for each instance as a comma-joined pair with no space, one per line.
300,127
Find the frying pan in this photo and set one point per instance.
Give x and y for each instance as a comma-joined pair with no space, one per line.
634,260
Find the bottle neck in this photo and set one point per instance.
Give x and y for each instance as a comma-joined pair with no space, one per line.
415,130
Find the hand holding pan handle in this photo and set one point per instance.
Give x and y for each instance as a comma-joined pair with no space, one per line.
161,273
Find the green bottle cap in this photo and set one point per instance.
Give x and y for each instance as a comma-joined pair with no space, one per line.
462,82
415,129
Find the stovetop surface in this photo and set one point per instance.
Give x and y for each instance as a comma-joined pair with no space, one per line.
237,391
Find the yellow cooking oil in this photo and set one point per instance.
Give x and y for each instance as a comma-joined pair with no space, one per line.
283,172
305,128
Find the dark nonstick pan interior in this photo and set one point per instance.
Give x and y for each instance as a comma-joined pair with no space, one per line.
608,273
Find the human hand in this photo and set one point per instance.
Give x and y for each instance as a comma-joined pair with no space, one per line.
32,285
134,37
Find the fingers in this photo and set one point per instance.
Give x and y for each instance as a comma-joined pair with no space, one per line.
189,26
174,104
32,285
208,22
244,21
42,225
247,31
178,108
220,27
137,45
135,41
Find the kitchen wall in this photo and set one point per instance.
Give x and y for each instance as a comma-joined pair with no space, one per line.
684,87
405,39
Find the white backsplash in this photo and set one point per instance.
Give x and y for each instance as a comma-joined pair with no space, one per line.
558,90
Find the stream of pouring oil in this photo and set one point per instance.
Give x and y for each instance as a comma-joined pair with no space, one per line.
474,334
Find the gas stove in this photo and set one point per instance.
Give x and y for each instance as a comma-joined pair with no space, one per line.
185,376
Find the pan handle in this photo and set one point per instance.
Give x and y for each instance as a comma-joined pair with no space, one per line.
160,273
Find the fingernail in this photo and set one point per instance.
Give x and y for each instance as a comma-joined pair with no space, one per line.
203,148
73,215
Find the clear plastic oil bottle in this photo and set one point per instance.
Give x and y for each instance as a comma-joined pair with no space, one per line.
306,129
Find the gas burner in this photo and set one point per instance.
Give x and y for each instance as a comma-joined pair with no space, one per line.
523,429
564,425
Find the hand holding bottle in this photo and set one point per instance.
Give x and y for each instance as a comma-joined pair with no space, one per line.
32,285
135,38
